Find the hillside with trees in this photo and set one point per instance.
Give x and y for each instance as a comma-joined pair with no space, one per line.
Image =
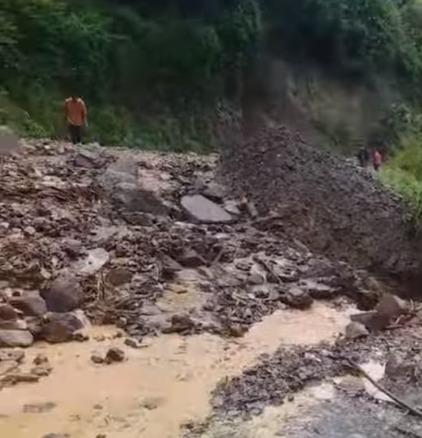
157,73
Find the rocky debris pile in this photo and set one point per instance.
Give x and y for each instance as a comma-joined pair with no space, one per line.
326,202
112,232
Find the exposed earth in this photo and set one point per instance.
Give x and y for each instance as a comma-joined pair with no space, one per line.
162,295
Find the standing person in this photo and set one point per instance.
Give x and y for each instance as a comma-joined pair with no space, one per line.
377,160
363,157
76,115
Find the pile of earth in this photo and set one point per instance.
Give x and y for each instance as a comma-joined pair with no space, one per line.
328,203
114,233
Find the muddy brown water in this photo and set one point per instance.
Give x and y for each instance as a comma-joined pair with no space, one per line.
158,389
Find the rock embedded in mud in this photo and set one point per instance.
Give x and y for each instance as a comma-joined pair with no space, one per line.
15,338
56,435
114,355
152,403
180,324
42,370
40,359
64,294
95,260
132,343
30,304
60,327
202,210
97,359
355,330
39,408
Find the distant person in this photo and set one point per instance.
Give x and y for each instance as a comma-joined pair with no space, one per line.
363,157
377,160
76,115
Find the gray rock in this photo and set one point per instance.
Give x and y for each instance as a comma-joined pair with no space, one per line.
356,330
92,263
19,324
191,259
15,338
298,298
119,276
60,327
30,304
215,191
64,294
202,210
392,307
7,313
132,343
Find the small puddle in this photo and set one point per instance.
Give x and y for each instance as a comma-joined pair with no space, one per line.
159,388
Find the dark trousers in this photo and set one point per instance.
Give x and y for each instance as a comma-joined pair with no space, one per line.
75,133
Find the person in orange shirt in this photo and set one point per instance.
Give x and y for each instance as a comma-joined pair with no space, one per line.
377,160
76,115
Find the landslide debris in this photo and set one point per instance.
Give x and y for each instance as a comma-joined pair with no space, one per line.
116,233
326,202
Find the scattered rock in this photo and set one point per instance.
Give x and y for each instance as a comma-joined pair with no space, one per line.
132,343
355,330
215,191
42,370
15,378
30,304
191,259
202,210
7,313
152,403
391,307
80,336
15,338
119,276
39,408
64,294
180,324
40,359
114,355
97,359
19,324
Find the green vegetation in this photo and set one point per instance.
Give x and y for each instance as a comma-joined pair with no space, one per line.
403,174
154,71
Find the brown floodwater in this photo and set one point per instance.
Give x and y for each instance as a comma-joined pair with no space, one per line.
158,388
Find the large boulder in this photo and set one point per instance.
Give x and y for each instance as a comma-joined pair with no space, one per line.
7,313
60,327
15,338
202,210
30,304
64,294
121,186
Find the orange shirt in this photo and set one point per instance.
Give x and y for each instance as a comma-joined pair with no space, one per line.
75,111
377,158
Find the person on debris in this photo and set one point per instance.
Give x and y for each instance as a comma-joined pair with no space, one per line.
363,157
377,160
76,115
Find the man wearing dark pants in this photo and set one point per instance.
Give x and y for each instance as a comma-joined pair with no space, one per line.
76,117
